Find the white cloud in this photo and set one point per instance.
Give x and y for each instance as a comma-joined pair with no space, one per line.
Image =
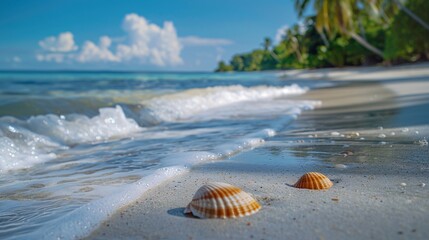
97,53
144,42
150,42
63,43
281,33
198,41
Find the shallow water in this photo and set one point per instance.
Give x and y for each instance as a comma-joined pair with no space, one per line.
74,147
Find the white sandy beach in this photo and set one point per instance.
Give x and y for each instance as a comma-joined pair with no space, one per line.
379,192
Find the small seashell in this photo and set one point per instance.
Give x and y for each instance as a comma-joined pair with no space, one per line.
340,166
221,200
423,142
314,180
347,153
381,135
353,134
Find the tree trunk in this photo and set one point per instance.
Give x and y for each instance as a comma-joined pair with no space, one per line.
366,44
296,49
412,15
362,29
324,39
274,56
298,55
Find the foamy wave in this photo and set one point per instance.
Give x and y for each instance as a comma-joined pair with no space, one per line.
187,104
111,122
25,143
21,148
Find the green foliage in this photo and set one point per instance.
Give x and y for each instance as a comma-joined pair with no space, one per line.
406,39
308,45
223,67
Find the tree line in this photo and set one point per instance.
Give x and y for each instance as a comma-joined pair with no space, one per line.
344,33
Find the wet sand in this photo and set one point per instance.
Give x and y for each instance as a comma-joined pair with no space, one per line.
368,137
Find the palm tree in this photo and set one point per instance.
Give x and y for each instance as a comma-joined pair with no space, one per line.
337,16
267,43
392,6
292,42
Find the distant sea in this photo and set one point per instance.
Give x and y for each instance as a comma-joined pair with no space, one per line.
76,146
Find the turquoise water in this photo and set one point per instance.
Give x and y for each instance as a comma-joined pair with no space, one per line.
76,146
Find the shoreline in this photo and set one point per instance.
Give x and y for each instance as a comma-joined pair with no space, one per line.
378,191
286,212
371,73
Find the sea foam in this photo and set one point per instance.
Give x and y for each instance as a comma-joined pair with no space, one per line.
25,143
192,104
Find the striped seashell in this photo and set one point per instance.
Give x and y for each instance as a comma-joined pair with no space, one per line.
221,200
314,180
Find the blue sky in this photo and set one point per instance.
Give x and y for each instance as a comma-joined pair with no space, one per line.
148,35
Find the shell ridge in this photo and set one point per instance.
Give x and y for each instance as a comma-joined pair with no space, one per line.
314,180
200,203
246,206
221,204
227,195
222,200
237,209
214,200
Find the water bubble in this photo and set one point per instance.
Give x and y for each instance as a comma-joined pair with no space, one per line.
403,184
340,166
423,142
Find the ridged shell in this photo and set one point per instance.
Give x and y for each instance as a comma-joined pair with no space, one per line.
314,180
221,200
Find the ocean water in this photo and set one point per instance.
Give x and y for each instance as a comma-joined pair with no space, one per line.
76,146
